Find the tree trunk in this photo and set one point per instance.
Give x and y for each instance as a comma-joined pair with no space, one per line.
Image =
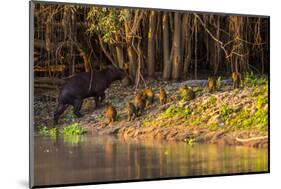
176,47
119,52
186,46
132,62
195,48
151,44
166,50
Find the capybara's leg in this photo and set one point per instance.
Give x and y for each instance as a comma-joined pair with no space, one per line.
102,97
77,106
60,109
97,101
99,98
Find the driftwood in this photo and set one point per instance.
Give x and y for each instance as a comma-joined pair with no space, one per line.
251,139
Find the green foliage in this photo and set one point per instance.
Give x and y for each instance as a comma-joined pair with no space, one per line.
73,129
245,121
99,117
107,22
70,116
190,141
212,100
210,103
261,101
177,111
218,83
214,127
199,91
147,121
44,131
252,80
225,111
197,121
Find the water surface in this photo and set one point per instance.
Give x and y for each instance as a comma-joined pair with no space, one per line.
99,159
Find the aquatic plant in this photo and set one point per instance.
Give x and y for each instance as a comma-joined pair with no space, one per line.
190,141
73,129
44,131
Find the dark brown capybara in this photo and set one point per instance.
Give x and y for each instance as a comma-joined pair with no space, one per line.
84,85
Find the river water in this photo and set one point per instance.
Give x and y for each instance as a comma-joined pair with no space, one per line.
99,159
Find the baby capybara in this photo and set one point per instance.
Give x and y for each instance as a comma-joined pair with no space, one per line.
131,110
149,96
162,96
84,85
187,93
236,79
139,103
211,84
110,114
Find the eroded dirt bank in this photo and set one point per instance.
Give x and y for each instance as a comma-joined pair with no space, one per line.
227,116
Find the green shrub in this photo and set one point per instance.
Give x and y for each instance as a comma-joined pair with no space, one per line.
252,80
44,131
177,111
225,111
73,129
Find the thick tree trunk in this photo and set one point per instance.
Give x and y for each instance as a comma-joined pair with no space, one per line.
166,48
151,44
176,47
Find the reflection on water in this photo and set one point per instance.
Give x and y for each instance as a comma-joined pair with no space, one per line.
97,159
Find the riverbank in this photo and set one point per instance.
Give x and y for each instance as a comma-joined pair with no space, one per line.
227,116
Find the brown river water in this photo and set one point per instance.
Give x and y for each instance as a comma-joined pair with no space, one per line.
96,159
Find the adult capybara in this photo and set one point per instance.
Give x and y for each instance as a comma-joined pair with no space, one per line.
84,85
